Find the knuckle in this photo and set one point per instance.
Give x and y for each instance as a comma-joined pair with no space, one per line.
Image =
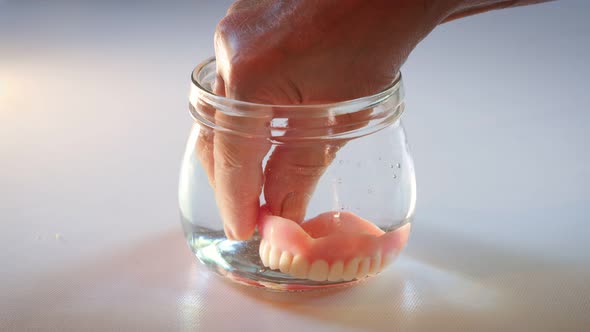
310,171
225,26
237,6
230,159
230,163
239,68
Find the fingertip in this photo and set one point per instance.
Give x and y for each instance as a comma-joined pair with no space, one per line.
229,233
243,233
240,227
238,234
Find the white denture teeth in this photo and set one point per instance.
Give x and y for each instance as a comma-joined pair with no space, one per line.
363,268
285,262
299,267
274,257
319,270
263,252
336,271
375,264
351,269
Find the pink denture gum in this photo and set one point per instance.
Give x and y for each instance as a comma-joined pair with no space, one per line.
334,246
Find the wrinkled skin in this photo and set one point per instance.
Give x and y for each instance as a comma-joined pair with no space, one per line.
304,52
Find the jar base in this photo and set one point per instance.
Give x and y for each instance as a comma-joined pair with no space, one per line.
239,261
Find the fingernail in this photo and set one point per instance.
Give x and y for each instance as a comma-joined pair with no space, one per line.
294,206
229,233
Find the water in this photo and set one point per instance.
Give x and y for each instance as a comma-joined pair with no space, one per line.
240,261
385,195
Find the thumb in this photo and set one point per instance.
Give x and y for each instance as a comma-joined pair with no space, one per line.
291,175
295,167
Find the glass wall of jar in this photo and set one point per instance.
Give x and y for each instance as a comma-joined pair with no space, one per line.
333,187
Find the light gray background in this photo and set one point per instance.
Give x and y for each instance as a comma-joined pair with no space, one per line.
93,122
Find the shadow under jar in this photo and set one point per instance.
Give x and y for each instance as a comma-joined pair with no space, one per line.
336,187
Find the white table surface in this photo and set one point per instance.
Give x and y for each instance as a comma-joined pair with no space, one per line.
93,121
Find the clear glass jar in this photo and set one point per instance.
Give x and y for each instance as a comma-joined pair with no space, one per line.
353,216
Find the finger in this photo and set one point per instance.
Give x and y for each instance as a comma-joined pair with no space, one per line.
294,168
292,173
204,145
238,173
233,166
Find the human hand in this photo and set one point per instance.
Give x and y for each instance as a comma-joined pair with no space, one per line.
301,52
297,52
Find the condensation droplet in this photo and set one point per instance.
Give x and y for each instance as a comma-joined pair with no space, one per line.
341,161
391,166
394,176
399,165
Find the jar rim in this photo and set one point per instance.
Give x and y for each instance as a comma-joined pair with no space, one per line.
340,107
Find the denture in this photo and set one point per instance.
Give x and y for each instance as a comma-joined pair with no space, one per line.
334,246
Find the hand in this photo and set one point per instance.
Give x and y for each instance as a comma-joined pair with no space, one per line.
297,52
302,52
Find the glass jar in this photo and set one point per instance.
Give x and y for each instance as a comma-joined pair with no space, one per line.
328,198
